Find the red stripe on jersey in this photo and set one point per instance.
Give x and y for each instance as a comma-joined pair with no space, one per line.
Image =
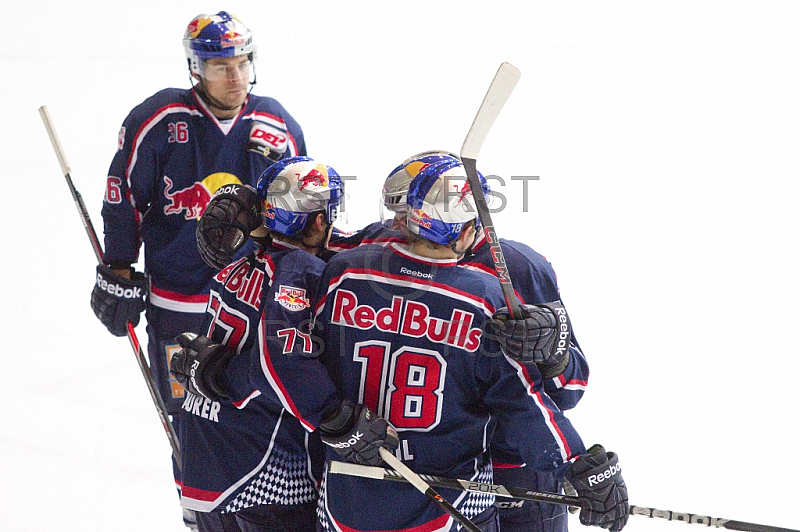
243,403
175,296
269,116
503,465
437,524
420,259
198,494
274,380
551,421
477,266
563,382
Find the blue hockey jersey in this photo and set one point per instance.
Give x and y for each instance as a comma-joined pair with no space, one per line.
172,155
374,233
403,334
535,282
250,451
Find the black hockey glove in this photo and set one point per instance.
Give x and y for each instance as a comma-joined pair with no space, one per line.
357,434
540,336
604,497
200,366
225,225
116,300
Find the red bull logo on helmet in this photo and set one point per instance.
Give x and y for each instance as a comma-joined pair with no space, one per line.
463,192
269,210
421,218
197,25
233,38
292,298
317,177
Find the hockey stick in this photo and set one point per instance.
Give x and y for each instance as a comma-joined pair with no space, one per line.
502,85
98,252
551,498
407,475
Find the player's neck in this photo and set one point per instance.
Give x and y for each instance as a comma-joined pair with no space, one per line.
424,249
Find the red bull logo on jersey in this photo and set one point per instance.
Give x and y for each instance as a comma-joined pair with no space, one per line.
292,298
408,318
191,201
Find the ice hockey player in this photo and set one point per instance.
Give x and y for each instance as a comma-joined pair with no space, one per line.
175,150
547,324
420,398
404,334
247,464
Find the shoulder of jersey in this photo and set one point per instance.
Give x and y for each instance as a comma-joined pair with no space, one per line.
164,98
525,251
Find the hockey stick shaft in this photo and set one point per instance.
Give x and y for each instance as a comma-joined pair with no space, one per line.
502,85
545,497
407,475
98,251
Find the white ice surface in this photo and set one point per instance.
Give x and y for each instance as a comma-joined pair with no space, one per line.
666,136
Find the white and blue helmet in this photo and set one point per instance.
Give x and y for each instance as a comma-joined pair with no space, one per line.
393,195
293,188
213,36
439,200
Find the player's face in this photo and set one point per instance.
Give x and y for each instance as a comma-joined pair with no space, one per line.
227,79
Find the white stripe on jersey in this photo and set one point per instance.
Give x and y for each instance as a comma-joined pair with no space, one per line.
207,506
176,306
546,412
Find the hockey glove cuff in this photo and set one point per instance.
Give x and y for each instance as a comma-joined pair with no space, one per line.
604,497
540,335
200,366
357,434
116,300
225,225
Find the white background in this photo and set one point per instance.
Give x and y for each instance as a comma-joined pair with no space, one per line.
665,135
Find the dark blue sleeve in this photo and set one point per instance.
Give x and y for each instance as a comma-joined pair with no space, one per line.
535,282
285,364
128,194
537,429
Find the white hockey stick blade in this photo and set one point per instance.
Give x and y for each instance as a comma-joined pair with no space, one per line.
501,88
51,132
346,468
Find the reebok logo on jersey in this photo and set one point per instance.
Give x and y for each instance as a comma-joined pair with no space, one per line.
354,439
415,273
605,475
408,318
117,290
